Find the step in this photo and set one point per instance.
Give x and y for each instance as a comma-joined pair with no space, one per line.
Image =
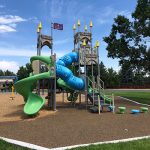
144,109
122,110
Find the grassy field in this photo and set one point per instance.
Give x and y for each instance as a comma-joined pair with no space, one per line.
141,97
134,145
7,146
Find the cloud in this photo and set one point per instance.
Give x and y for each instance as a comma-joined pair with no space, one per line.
9,51
6,28
8,23
22,52
56,8
8,19
107,14
60,42
2,6
127,14
102,21
34,19
52,9
9,65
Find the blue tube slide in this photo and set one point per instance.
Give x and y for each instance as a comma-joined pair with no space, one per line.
66,74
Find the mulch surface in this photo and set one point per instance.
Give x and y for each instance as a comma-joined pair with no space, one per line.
70,126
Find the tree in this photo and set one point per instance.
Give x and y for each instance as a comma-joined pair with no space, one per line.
24,72
112,78
142,16
128,39
8,73
126,74
103,72
1,73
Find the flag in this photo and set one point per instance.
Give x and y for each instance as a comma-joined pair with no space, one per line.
58,26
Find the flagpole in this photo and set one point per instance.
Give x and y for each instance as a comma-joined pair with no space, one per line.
52,37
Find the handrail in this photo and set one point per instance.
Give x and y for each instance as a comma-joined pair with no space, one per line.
98,86
101,81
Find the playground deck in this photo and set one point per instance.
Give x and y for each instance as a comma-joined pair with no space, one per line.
69,126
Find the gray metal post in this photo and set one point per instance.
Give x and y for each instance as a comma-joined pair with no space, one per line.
38,53
98,62
54,99
91,52
43,83
99,104
79,59
52,38
63,96
92,67
84,52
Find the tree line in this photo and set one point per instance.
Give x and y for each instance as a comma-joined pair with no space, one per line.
124,78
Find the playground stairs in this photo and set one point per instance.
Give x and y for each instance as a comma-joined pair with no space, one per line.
96,94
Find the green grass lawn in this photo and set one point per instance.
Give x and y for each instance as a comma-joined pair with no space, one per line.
134,145
7,146
141,97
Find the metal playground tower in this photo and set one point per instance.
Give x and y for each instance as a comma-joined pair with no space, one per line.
77,73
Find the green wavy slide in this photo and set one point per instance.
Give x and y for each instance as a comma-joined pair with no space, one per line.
25,88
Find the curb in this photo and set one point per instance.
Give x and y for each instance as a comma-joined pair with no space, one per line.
105,142
36,147
24,144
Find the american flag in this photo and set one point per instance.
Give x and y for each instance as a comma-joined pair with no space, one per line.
58,26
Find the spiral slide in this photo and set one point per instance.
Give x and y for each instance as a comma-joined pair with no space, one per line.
25,86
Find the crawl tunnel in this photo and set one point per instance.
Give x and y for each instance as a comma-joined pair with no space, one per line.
66,74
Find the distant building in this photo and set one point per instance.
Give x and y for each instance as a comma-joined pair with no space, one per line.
5,81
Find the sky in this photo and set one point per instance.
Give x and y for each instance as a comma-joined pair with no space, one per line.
19,20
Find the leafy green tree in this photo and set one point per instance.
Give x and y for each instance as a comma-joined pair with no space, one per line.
112,78
142,18
128,40
8,73
103,72
126,74
1,73
24,72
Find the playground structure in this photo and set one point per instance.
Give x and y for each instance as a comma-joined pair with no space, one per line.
70,72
